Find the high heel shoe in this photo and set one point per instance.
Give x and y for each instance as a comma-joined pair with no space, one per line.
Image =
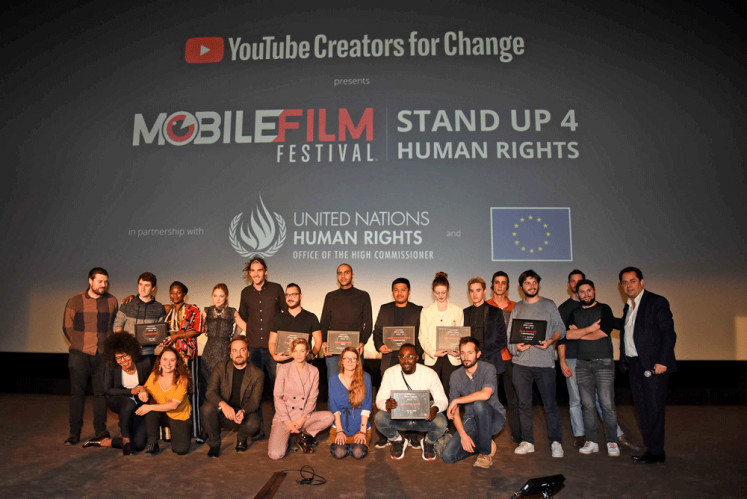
92,443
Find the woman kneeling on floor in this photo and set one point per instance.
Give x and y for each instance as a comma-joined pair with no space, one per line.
350,402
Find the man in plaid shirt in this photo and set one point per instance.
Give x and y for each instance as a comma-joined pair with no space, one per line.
88,321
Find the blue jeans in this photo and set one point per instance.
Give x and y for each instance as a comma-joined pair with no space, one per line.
574,402
545,378
390,427
484,422
596,378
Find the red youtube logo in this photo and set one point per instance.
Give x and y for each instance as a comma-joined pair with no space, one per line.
204,49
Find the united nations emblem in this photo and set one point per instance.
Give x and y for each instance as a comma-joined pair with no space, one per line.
262,235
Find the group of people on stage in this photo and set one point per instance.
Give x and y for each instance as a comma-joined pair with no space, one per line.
166,393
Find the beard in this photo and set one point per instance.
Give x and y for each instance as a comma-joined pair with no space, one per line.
532,295
587,303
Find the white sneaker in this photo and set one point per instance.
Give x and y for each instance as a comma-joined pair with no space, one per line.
590,447
524,448
557,449
613,450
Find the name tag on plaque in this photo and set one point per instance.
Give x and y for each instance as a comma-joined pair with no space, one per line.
284,340
447,338
337,341
528,331
411,404
396,336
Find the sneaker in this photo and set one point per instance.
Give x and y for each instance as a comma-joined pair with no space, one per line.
382,442
429,450
589,447
557,449
413,440
579,441
483,461
613,450
524,448
398,448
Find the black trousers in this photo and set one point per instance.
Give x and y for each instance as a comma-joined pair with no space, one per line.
444,368
213,420
512,407
649,398
131,425
82,367
181,431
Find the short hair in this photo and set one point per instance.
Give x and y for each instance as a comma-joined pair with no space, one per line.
299,341
441,279
476,280
97,270
528,273
181,285
241,339
407,345
347,265
500,273
585,281
470,339
121,343
293,285
637,271
222,286
401,280
254,259
148,277
576,271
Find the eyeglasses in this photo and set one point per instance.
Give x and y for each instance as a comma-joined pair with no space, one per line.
407,357
121,358
350,359
291,294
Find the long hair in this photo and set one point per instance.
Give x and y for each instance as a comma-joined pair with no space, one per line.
357,391
180,372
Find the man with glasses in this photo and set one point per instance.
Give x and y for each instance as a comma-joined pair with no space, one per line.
409,375
294,320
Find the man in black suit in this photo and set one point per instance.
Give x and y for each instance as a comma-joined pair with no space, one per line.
487,324
233,398
400,312
647,340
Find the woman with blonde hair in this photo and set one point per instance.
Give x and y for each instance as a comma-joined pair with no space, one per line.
350,401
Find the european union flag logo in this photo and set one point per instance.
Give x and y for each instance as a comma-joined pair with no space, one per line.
531,234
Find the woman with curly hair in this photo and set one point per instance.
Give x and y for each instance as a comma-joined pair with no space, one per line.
168,389
350,402
124,378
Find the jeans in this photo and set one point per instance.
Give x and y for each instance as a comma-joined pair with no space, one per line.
83,366
596,378
545,379
390,427
574,400
484,422
332,362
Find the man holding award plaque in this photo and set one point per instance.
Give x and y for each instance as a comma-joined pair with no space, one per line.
535,363
404,404
288,324
346,310
400,314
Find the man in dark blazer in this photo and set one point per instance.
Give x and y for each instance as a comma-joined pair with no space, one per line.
400,312
647,340
233,398
487,324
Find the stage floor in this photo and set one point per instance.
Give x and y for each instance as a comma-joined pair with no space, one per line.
705,458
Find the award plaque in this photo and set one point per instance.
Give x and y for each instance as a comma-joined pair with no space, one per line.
528,331
284,340
447,338
151,334
411,404
337,341
395,337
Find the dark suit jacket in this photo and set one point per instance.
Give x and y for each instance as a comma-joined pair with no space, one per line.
495,335
654,334
386,318
113,378
221,384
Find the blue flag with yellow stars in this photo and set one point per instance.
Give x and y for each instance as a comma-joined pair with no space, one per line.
531,234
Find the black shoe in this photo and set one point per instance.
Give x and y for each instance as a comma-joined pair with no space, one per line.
241,446
382,442
72,439
647,458
429,450
215,451
413,440
306,442
200,440
152,449
101,436
126,449
94,442
398,448
259,436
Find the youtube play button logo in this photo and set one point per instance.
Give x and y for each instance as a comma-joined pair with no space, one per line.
204,49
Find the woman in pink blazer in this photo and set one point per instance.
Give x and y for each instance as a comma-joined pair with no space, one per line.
296,390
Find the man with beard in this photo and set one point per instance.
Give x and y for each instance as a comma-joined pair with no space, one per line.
591,325
88,321
536,364
294,320
233,399
474,407
409,375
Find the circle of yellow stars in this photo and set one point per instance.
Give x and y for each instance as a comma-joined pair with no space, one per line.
542,225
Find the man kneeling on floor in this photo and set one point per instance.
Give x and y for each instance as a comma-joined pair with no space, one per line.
473,390
233,398
409,375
